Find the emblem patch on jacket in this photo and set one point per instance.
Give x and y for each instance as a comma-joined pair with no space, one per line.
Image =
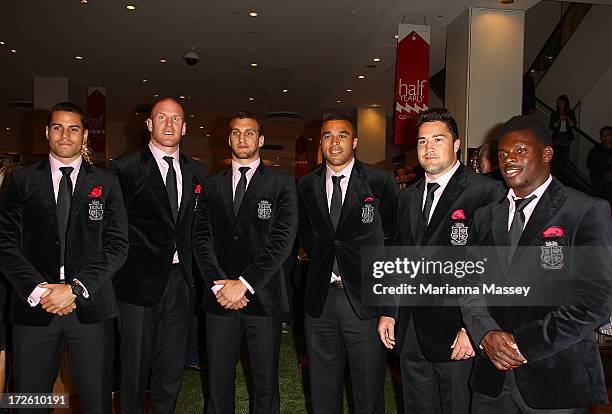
96,210
264,210
459,234
551,255
367,213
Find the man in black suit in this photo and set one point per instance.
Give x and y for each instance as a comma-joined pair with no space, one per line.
434,348
244,230
545,358
344,205
161,186
63,238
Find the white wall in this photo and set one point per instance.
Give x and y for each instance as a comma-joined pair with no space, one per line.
596,110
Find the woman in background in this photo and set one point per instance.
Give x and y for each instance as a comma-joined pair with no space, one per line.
561,123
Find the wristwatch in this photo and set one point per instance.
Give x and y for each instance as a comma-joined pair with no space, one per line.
77,289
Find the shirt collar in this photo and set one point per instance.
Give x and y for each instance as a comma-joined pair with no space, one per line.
56,164
159,154
346,171
253,166
445,178
537,192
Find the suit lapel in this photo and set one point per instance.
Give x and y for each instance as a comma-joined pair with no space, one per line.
187,178
543,212
499,228
45,188
320,194
416,211
451,193
354,191
85,182
257,180
226,193
155,179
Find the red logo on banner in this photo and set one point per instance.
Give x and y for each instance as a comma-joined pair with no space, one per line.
411,84
96,118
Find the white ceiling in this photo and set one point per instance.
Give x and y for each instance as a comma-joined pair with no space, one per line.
315,49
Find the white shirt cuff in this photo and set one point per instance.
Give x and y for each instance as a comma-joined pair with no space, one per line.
85,291
248,286
34,298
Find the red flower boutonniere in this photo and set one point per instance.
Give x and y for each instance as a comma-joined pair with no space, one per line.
554,231
368,199
198,189
96,192
458,215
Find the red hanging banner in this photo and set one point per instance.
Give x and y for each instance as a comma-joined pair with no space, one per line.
411,80
96,118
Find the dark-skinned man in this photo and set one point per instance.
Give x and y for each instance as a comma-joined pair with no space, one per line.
344,205
540,358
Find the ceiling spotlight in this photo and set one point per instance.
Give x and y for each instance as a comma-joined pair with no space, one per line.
8,128
285,90
2,43
191,116
13,51
156,95
339,101
182,97
84,1
251,98
253,65
253,13
201,126
396,36
349,90
130,7
162,61
376,59
361,77
375,105
207,135
145,80
78,57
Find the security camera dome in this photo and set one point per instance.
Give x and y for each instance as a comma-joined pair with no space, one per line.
191,57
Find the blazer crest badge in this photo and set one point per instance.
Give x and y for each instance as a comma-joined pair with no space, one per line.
264,210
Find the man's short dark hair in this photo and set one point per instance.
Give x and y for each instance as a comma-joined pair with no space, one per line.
441,115
248,115
522,123
604,129
67,107
339,117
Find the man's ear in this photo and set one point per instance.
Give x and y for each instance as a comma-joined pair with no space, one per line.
261,141
47,132
149,123
547,153
355,140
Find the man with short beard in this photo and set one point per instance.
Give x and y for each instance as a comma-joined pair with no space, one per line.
345,205
161,186
435,350
244,230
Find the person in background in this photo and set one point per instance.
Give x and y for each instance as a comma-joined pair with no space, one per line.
562,120
599,162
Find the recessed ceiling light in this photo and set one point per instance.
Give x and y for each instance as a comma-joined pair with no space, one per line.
13,51
191,116
8,128
201,126
156,95
253,65
285,90
376,59
339,101
84,1
1,43
162,61
130,7
145,80
207,135
251,98
361,77
182,97
375,105
78,57
253,13
396,36
349,90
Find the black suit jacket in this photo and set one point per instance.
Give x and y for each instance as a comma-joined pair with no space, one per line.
153,235
436,327
254,244
322,243
29,243
564,367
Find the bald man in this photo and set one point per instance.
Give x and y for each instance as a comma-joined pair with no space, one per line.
161,187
